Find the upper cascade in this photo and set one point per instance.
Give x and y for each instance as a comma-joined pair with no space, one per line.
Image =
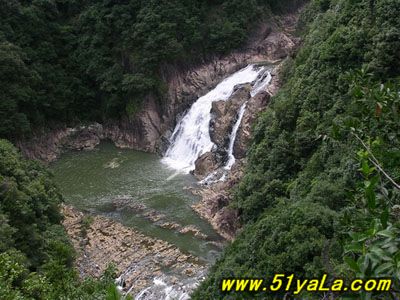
191,137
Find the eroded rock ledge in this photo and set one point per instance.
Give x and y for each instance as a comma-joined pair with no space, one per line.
216,196
49,146
152,126
100,241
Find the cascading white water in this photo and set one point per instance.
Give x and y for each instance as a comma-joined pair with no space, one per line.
191,137
258,86
232,138
162,290
263,80
189,140
261,83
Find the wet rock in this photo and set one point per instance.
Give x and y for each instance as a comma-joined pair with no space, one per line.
138,258
215,195
224,115
164,142
128,203
154,216
243,137
193,230
170,225
215,200
205,164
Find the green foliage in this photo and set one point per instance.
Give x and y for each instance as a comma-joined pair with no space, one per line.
370,222
36,256
72,61
290,238
85,224
303,157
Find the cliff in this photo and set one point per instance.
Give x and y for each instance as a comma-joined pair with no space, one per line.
152,126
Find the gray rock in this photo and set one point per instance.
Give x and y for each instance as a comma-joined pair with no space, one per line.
205,164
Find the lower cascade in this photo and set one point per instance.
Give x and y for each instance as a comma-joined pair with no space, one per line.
168,291
232,138
191,137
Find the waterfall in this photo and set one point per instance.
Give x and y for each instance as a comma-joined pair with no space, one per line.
191,137
258,86
232,138
261,83
169,291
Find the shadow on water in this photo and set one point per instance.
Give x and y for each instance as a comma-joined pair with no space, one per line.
136,189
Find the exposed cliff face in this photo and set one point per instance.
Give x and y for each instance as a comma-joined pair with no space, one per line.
151,128
99,241
141,133
272,42
216,197
254,107
214,204
224,114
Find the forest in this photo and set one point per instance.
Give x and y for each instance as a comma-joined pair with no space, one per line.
64,62
36,256
321,189
97,60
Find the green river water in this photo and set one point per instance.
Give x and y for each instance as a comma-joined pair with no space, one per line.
97,180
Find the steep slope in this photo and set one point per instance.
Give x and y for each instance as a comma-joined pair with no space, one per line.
151,126
69,61
36,257
304,192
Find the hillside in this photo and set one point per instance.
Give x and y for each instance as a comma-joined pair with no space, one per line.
36,256
96,61
317,192
320,193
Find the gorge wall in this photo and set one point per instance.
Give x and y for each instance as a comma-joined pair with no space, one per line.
216,195
152,126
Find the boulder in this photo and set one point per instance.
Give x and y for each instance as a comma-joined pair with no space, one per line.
205,164
224,116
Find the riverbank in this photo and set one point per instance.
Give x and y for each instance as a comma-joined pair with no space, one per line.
216,196
100,241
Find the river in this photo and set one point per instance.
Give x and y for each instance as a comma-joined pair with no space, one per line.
144,192
110,181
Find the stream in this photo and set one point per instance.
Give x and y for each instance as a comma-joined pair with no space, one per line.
142,191
110,181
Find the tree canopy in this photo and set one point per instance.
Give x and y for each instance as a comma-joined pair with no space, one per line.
36,257
70,61
319,194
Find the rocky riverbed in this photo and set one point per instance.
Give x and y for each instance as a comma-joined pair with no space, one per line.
139,259
216,194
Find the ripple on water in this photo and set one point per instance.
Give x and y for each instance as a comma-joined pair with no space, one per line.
136,189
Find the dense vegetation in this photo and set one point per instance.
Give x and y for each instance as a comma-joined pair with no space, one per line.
68,61
321,191
71,61
320,194
36,256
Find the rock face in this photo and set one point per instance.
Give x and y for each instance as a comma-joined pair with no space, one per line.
244,133
254,107
214,202
216,197
271,41
224,115
206,164
152,126
47,147
138,258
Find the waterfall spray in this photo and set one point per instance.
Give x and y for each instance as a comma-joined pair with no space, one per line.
191,137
